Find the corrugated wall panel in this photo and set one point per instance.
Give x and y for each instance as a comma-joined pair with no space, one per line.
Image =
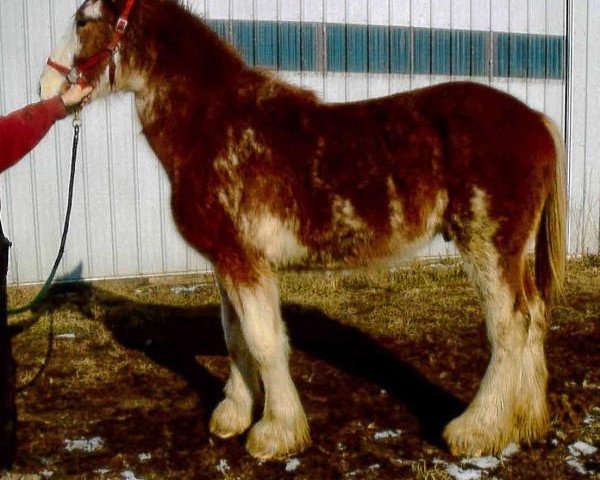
584,129
341,49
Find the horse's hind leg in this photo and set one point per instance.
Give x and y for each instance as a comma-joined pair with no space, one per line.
510,405
283,428
234,414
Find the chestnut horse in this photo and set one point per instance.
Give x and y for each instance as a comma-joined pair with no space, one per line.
265,175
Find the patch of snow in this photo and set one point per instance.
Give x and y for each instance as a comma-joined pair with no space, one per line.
554,442
462,473
223,466
46,473
87,445
184,289
292,464
375,466
387,434
509,450
129,475
66,336
581,448
144,457
483,463
102,471
577,465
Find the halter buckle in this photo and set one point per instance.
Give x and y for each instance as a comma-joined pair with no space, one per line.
121,25
73,76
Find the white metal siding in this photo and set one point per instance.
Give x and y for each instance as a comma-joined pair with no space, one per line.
121,221
584,128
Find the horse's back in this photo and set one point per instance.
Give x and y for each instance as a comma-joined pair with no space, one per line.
409,163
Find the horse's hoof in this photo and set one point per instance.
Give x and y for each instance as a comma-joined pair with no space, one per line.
481,431
230,419
474,435
271,440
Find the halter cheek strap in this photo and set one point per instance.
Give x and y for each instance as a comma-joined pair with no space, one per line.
76,74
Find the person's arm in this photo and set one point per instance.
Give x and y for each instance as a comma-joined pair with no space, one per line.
22,130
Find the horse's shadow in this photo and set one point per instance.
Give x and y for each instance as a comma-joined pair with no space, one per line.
174,336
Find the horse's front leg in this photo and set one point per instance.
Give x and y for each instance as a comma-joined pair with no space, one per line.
242,391
283,428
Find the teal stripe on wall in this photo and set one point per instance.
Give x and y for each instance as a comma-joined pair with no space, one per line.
480,53
379,49
243,39
357,57
460,51
400,50
290,46
267,43
308,55
336,48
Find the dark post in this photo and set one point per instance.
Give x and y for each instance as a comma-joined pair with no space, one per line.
8,409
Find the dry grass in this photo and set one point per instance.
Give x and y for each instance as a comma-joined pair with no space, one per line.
140,363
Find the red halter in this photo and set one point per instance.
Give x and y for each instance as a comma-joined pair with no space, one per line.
76,74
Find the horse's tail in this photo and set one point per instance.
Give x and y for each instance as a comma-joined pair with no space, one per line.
551,241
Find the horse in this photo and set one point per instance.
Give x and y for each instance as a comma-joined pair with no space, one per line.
265,176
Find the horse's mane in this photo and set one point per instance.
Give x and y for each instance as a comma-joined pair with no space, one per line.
183,43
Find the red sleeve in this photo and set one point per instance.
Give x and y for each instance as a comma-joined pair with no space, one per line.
22,130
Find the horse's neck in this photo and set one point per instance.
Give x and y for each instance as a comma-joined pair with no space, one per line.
169,105
176,115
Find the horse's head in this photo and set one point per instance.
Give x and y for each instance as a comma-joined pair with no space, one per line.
89,51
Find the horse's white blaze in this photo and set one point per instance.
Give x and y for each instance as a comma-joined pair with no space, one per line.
52,82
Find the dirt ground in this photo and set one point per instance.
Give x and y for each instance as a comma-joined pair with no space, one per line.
118,379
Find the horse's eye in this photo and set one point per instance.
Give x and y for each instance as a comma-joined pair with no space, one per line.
82,22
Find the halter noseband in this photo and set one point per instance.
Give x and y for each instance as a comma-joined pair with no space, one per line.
76,74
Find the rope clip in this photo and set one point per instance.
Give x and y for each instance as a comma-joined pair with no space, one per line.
77,118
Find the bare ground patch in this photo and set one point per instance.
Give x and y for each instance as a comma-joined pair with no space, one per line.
119,379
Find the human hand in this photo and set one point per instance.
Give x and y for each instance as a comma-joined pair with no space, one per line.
75,95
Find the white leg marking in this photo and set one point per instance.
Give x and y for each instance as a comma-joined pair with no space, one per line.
510,405
283,429
234,414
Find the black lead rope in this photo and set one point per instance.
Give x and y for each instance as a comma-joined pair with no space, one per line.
43,293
